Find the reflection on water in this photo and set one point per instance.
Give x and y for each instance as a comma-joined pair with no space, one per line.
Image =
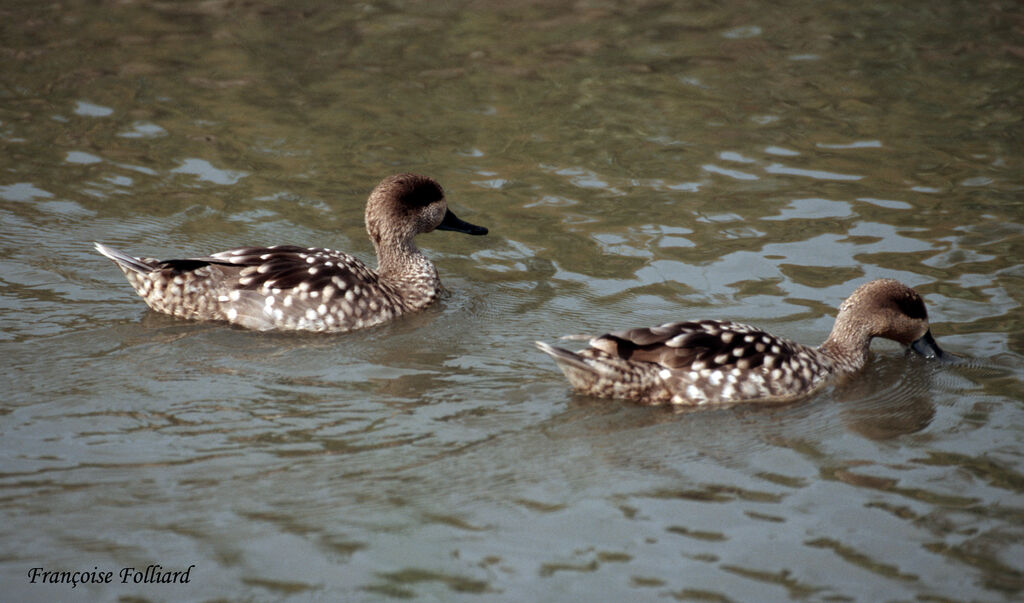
640,162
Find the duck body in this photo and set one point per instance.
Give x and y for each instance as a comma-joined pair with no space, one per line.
693,363
277,288
292,288
719,362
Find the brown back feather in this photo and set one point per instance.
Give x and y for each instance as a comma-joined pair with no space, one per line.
698,345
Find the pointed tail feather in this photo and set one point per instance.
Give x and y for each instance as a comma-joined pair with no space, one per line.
124,260
564,357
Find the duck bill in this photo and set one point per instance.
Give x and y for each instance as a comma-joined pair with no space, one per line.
927,347
452,222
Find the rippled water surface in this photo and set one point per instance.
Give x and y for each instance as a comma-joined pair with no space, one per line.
636,162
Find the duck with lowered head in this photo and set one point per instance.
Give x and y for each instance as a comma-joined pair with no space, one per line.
714,362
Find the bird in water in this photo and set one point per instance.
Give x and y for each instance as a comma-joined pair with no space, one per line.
711,362
292,288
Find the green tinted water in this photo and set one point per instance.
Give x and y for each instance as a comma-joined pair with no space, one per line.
636,163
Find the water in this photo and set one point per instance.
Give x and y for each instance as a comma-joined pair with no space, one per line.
636,163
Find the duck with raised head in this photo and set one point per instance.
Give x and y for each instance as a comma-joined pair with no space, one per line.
711,362
291,288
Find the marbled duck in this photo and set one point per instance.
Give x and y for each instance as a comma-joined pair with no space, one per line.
309,289
714,362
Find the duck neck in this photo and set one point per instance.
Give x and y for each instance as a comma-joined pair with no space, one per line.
402,267
847,345
396,258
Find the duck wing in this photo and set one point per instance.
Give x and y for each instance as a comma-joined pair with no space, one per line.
286,267
700,345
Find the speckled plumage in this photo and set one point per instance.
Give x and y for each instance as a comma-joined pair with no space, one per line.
285,287
716,362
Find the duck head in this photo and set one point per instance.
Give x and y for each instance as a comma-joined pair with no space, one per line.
405,205
888,308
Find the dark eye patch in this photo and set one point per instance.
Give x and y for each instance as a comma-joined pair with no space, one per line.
912,306
419,192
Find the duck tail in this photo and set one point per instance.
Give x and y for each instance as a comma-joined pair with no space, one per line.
125,261
564,358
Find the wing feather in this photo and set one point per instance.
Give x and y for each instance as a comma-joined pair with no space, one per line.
699,345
